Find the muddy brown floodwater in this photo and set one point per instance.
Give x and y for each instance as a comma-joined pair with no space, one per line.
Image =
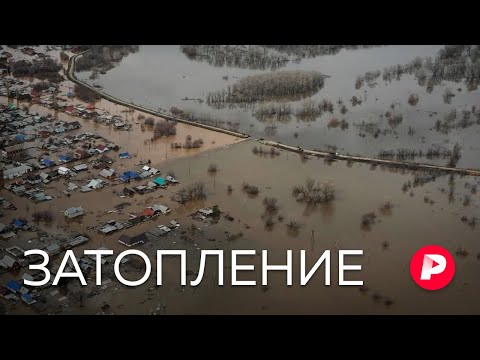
388,245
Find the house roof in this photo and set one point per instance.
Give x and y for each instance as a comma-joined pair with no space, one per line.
52,247
18,169
159,180
12,284
9,261
133,240
148,212
15,147
73,210
106,173
18,223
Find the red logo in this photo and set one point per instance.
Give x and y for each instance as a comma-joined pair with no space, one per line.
432,267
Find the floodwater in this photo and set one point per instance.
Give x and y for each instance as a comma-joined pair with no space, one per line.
411,224
388,244
161,76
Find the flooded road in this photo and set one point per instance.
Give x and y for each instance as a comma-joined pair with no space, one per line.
166,76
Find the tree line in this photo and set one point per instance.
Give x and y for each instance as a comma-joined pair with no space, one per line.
276,86
45,69
103,57
452,63
241,56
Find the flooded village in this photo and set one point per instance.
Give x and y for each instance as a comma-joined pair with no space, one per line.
81,172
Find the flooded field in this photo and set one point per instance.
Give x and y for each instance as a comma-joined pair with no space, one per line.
164,77
388,244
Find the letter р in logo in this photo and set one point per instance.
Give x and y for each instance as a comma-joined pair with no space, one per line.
432,267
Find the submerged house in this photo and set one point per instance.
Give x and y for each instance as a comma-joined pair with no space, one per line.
171,179
74,212
48,162
161,208
128,192
129,175
9,263
107,173
81,167
53,249
132,240
159,181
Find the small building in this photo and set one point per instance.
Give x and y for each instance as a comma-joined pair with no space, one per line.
40,197
107,173
9,263
60,129
13,151
95,184
28,299
161,208
53,249
80,154
129,175
74,212
128,192
63,170
105,159
101,148
34,179
171,179
73,125
159,181
16,171
64,158
19,190
132,240
124,155
206,211
18,224
13,286
81,167
48,162
148,212
141,189
76,241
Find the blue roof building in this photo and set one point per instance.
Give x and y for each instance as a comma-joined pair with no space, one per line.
18,223
64,157
159,181
129,175
14,286
48,162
